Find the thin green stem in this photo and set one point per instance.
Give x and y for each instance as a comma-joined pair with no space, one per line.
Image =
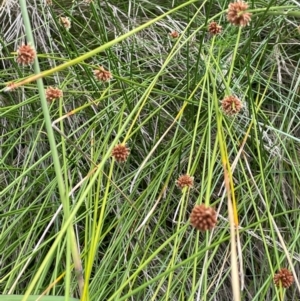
71,243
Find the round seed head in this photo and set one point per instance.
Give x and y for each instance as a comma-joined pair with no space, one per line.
284,277
203,218
25,55
102,75
214,28
185,181
120,152
53,93
237,13
231,105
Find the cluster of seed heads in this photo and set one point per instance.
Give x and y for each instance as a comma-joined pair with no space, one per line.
237,14
202,217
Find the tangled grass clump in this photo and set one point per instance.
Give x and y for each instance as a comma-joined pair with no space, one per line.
121,231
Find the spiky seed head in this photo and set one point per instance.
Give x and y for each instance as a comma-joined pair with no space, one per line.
237,13
231,105
214,28
102,75
25,55
185,181
120,152
284,277
53,93
203,218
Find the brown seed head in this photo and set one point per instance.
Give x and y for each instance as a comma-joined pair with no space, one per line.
174,34
102,74
237,14
25,55
53,93
214,28
284,277
203,218
120,152
231,105
65,21
185,181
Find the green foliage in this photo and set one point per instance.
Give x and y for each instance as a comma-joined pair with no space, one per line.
131,222
33,298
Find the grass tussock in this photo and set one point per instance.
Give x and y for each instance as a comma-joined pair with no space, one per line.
149,150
